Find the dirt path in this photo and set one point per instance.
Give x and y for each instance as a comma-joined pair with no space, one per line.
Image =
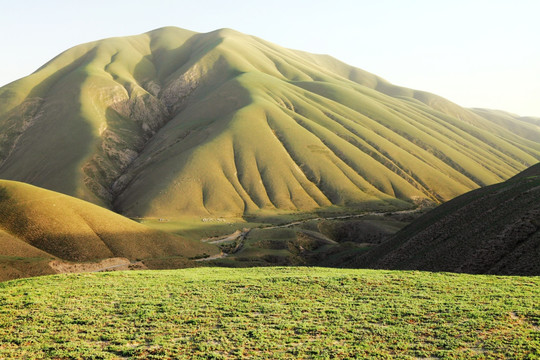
214,257
117,263
240,236
341,217
235,235
225,238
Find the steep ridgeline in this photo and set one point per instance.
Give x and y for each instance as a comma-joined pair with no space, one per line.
493,230
173,122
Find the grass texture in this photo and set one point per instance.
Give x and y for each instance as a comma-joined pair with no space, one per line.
280,313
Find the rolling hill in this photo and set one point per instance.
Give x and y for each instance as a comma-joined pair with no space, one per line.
173,122
492,230
38,226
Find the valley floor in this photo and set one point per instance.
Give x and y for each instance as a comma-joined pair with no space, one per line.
294,239
281,313
316,239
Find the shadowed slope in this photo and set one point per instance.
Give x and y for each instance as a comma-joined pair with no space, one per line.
38,223
173,123
492,230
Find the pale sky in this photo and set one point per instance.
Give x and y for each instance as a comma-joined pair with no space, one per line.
477,53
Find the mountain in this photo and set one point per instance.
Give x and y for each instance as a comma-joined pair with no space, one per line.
492,230
173,122
38,226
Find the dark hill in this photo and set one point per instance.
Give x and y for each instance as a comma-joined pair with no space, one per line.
493,230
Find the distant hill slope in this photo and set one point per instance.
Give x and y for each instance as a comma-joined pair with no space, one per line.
493,230
174,122
524,126
38,225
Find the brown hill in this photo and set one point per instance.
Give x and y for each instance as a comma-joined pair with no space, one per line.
38,225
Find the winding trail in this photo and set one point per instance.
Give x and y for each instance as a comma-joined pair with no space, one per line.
235,235
214,257
241,235
118,263
342,217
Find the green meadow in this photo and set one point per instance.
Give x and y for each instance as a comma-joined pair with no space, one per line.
279,313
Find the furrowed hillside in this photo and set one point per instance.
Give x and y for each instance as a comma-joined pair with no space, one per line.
493,230
40,226
173,122
524,126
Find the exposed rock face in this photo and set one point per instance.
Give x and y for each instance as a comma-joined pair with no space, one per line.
134,115
175,95
129,123
17,122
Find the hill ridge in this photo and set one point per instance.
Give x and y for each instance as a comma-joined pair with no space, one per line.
44,219
38,226
173,122
492,230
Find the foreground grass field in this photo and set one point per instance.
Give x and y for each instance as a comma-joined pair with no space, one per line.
293,313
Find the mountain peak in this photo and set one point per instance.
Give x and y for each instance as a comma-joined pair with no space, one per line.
174,122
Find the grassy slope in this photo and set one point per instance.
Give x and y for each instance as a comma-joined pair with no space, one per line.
174,123
282,313
42,224
488,230
526,127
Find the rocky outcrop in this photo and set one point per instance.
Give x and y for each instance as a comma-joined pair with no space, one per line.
18,120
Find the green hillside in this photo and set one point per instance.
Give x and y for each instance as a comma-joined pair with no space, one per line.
278,313
38,226
173,123
524,126
492,230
